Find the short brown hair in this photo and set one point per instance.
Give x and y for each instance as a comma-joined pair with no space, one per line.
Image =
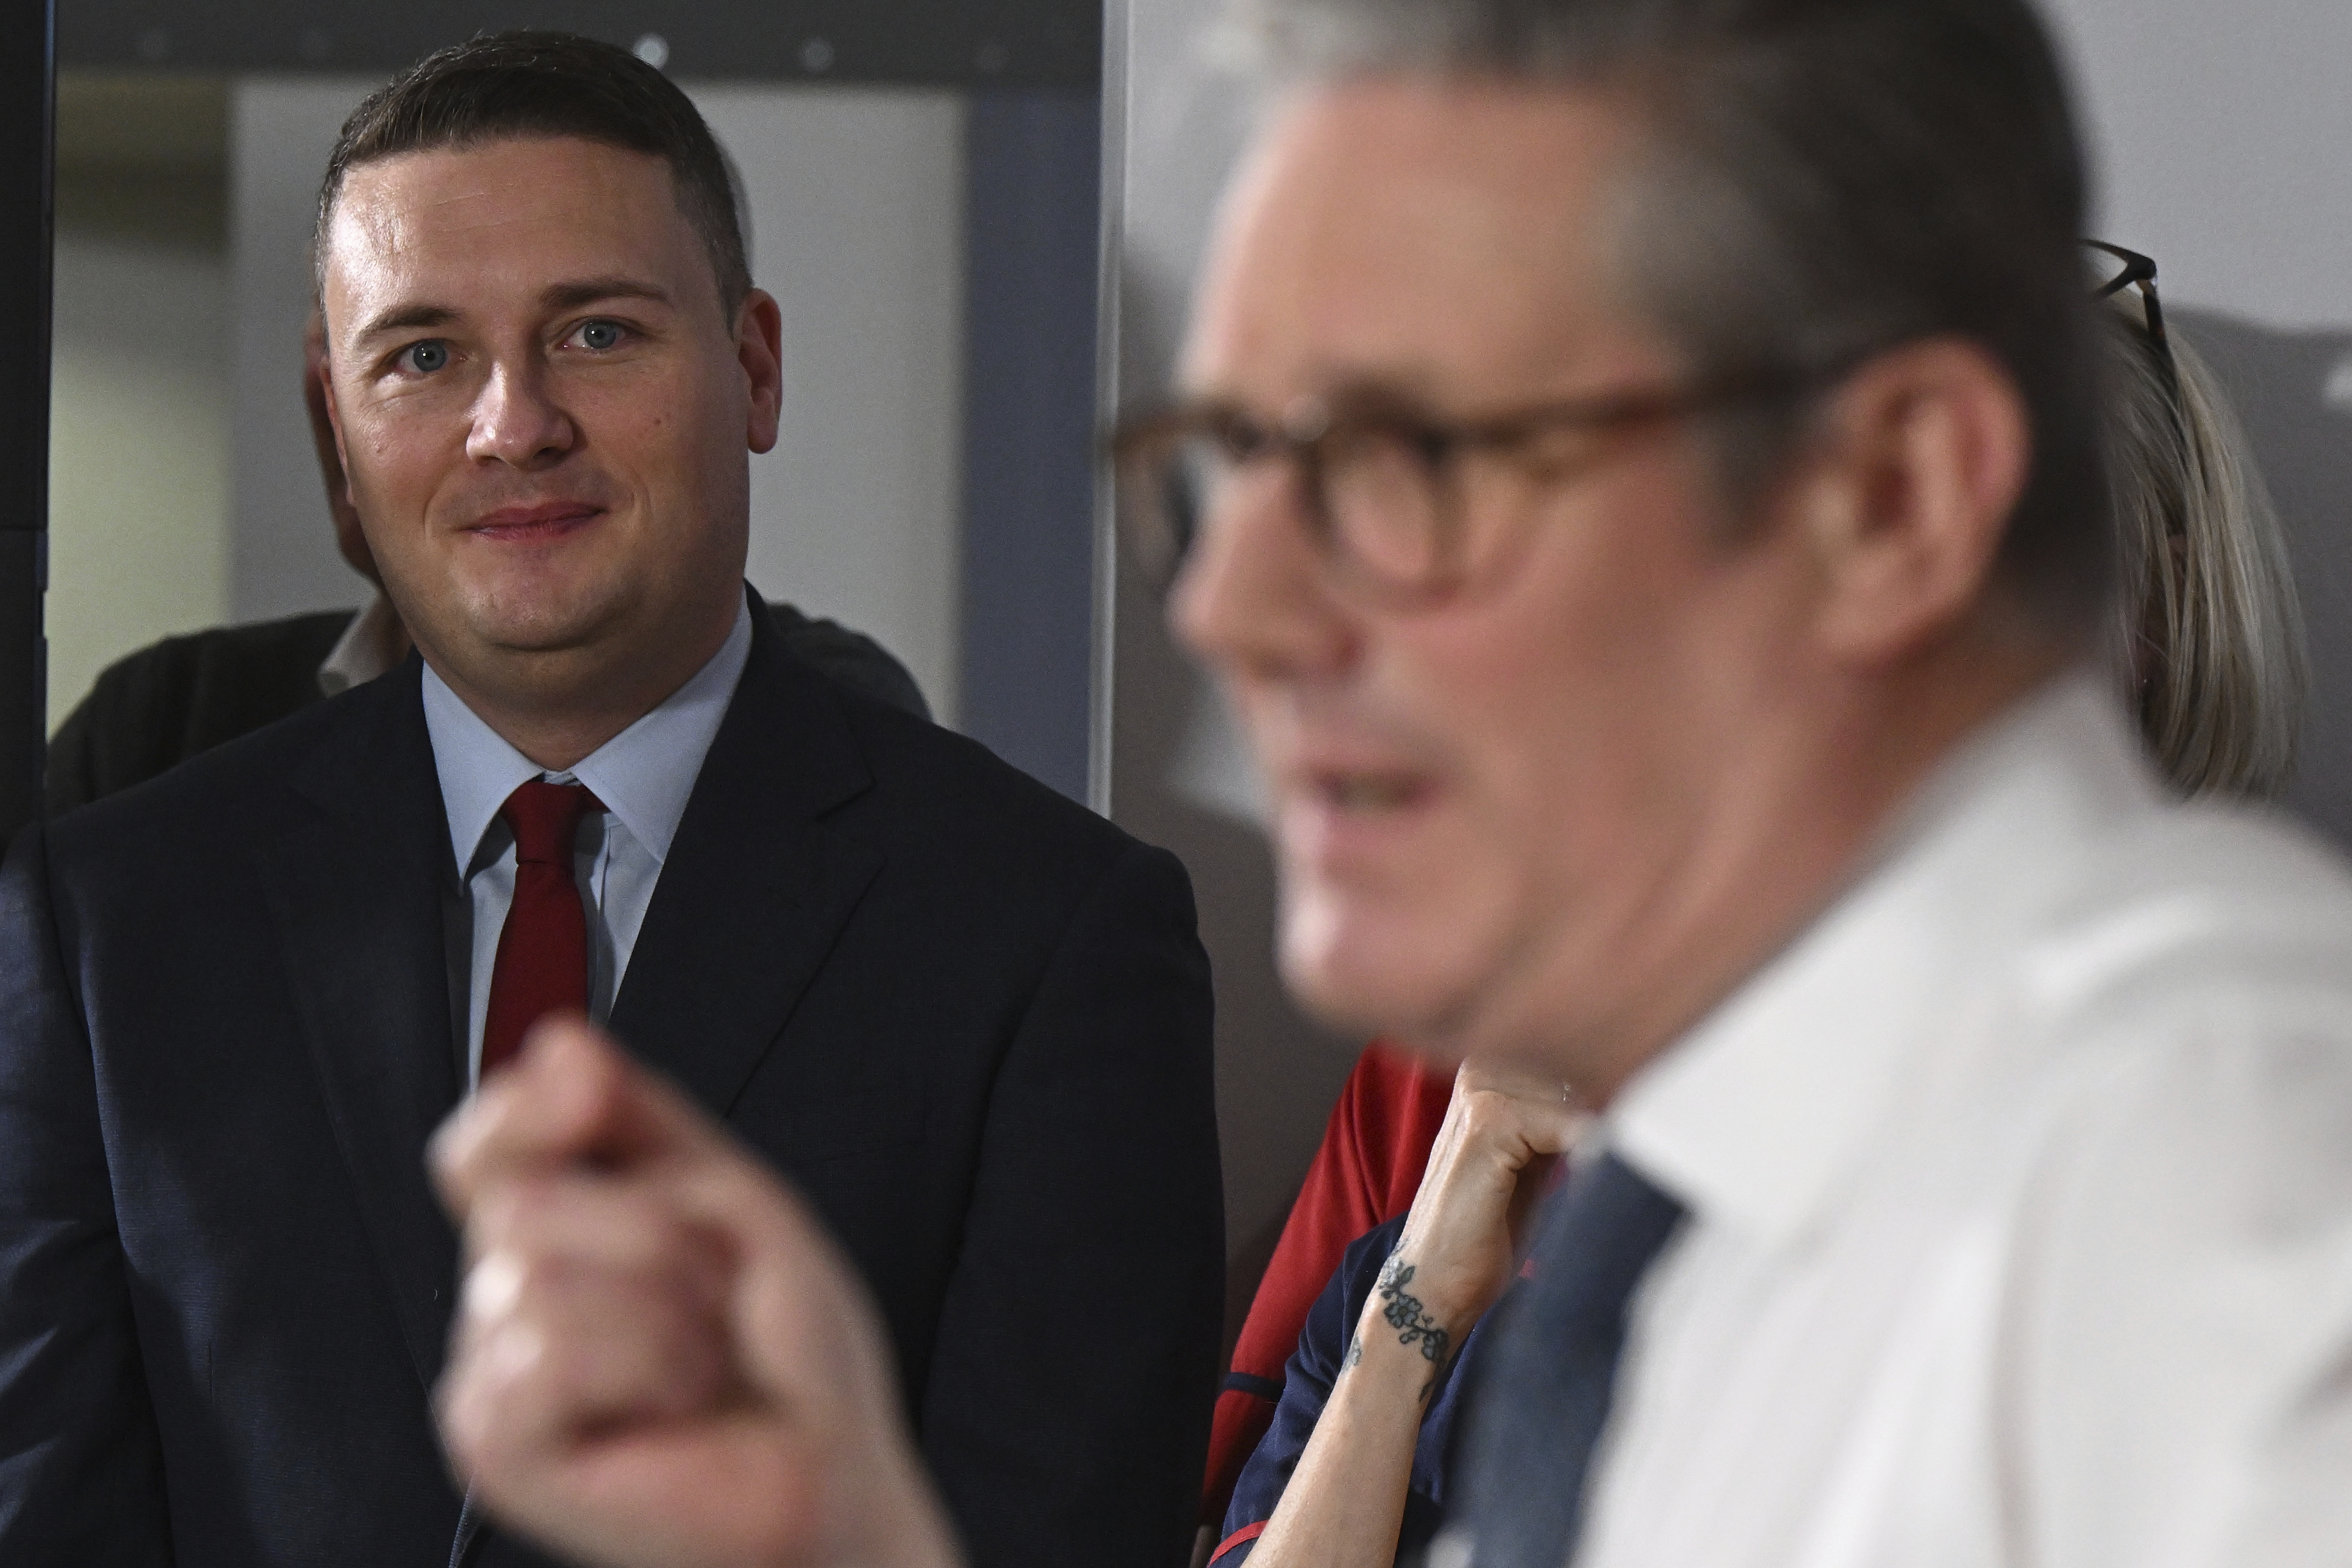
532,83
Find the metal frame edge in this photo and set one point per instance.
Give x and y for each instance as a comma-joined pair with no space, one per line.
1103,692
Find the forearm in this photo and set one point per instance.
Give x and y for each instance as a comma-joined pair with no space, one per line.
1345,1504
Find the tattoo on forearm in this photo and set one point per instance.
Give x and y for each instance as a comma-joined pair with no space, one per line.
1405,1312
1412,1322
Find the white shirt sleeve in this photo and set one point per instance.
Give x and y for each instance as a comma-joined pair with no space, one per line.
2184,1354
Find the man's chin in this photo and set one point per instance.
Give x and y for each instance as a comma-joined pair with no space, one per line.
551,626
531,661
1357,988
538,641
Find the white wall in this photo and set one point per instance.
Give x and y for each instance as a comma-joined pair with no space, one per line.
137,451
857,199
857,209
282,555
139,426
2223,132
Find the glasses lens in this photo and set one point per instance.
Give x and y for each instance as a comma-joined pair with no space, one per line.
1384,506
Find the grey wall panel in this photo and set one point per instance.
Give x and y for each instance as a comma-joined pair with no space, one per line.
1178,777
1007,43
857,199
1034,237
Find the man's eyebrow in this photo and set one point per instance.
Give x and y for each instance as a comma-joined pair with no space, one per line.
555,297
591,290
407,318
1402,389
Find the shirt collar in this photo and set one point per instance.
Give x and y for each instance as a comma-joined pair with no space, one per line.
643,775
1753,1117
370,646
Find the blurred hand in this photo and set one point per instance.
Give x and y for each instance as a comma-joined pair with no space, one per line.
659,1360
1503,1137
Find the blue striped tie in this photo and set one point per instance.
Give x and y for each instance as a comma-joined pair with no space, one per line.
1544,1377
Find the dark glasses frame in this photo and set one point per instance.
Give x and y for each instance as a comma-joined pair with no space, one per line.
1139,451
1312,437
2140,272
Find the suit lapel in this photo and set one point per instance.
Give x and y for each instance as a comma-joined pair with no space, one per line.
755,888
356,880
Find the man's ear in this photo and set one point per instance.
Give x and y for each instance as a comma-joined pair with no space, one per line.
760,348
1925,452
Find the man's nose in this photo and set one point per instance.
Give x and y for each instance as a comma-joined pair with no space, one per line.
1254,598
517,422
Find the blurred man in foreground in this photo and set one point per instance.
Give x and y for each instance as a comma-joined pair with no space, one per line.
1652,531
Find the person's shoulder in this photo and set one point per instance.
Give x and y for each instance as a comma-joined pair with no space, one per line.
2190,1024
2182,1208
849,658
2177,1018
2195,904
923,788
282,652
929,780
207,801
153,708
983,838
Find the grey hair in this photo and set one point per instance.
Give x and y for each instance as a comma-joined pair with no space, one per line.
2211,632
1825,180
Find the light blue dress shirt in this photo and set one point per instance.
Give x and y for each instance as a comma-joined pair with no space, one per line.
643,776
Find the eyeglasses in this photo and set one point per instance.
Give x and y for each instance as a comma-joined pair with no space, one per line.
2140,272
1379,488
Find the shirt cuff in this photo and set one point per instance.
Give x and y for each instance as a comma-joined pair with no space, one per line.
1235,1549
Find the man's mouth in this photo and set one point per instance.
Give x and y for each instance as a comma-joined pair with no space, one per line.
1370,791
546,520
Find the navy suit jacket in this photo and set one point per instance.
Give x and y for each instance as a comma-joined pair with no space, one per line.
968,1017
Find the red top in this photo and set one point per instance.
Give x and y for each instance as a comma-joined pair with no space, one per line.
1373,1151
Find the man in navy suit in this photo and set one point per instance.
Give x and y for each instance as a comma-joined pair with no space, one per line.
970,1018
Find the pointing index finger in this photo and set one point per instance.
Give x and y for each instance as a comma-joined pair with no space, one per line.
570,1098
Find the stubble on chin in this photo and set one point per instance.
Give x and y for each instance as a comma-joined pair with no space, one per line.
543,619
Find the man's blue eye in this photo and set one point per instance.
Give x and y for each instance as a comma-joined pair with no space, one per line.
600,336
429,357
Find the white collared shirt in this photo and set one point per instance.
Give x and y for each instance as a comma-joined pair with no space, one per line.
2021,1199
370,646
643,775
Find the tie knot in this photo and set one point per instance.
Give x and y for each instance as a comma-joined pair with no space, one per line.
545,817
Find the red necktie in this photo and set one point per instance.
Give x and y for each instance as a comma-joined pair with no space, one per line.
542,965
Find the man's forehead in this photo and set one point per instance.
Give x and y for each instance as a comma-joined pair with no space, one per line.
549,204
1468,227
